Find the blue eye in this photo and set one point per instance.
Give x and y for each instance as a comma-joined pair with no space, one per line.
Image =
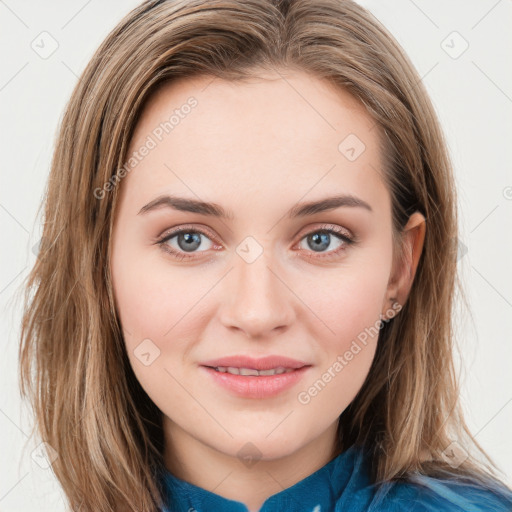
189,240
320,240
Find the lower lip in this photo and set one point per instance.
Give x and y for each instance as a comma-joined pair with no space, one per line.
251,386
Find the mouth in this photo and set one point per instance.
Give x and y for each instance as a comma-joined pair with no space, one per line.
252,383
251,372
246,365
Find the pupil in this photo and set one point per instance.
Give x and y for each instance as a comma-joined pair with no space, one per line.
321,240
192,241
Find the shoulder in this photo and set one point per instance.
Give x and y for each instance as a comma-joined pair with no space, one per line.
428,494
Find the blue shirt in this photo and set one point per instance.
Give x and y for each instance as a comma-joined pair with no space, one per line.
343,485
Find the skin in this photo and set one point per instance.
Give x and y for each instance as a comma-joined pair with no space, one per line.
257,149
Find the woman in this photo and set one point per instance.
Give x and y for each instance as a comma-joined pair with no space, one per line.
244,290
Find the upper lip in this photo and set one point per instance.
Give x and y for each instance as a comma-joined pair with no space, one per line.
261,363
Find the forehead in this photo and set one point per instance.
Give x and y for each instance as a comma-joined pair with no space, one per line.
277,134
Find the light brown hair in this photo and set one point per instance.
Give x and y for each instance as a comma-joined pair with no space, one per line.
88,404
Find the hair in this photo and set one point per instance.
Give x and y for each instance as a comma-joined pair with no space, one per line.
87,402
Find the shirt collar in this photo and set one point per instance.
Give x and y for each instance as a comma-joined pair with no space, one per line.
317,492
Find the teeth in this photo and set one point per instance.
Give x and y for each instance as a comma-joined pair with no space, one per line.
251,371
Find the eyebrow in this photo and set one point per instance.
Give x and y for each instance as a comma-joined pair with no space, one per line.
214,210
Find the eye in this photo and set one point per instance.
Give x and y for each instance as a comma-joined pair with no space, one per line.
182,243
187,241
321,239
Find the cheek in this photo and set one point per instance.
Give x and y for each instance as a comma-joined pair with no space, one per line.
346,358
349,299
161,309
355,304
150,296
349,302
155,307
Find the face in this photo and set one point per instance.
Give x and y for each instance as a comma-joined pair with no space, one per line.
270,277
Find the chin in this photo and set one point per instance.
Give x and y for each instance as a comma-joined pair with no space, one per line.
259,445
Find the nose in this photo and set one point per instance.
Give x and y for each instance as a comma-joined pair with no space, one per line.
258,301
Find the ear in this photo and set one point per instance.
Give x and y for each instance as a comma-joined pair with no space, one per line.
404,269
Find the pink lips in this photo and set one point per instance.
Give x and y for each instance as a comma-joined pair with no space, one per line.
251,386
262,363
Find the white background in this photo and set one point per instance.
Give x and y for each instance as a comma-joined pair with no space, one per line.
472,95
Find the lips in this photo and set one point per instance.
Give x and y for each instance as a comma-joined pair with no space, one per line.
263,363
255,387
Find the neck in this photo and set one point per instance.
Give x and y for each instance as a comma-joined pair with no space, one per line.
243,473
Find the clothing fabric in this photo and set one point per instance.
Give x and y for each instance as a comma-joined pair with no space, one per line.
343,485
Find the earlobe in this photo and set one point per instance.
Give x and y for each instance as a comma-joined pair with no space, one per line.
413,237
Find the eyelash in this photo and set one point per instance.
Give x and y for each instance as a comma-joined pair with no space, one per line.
325,229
